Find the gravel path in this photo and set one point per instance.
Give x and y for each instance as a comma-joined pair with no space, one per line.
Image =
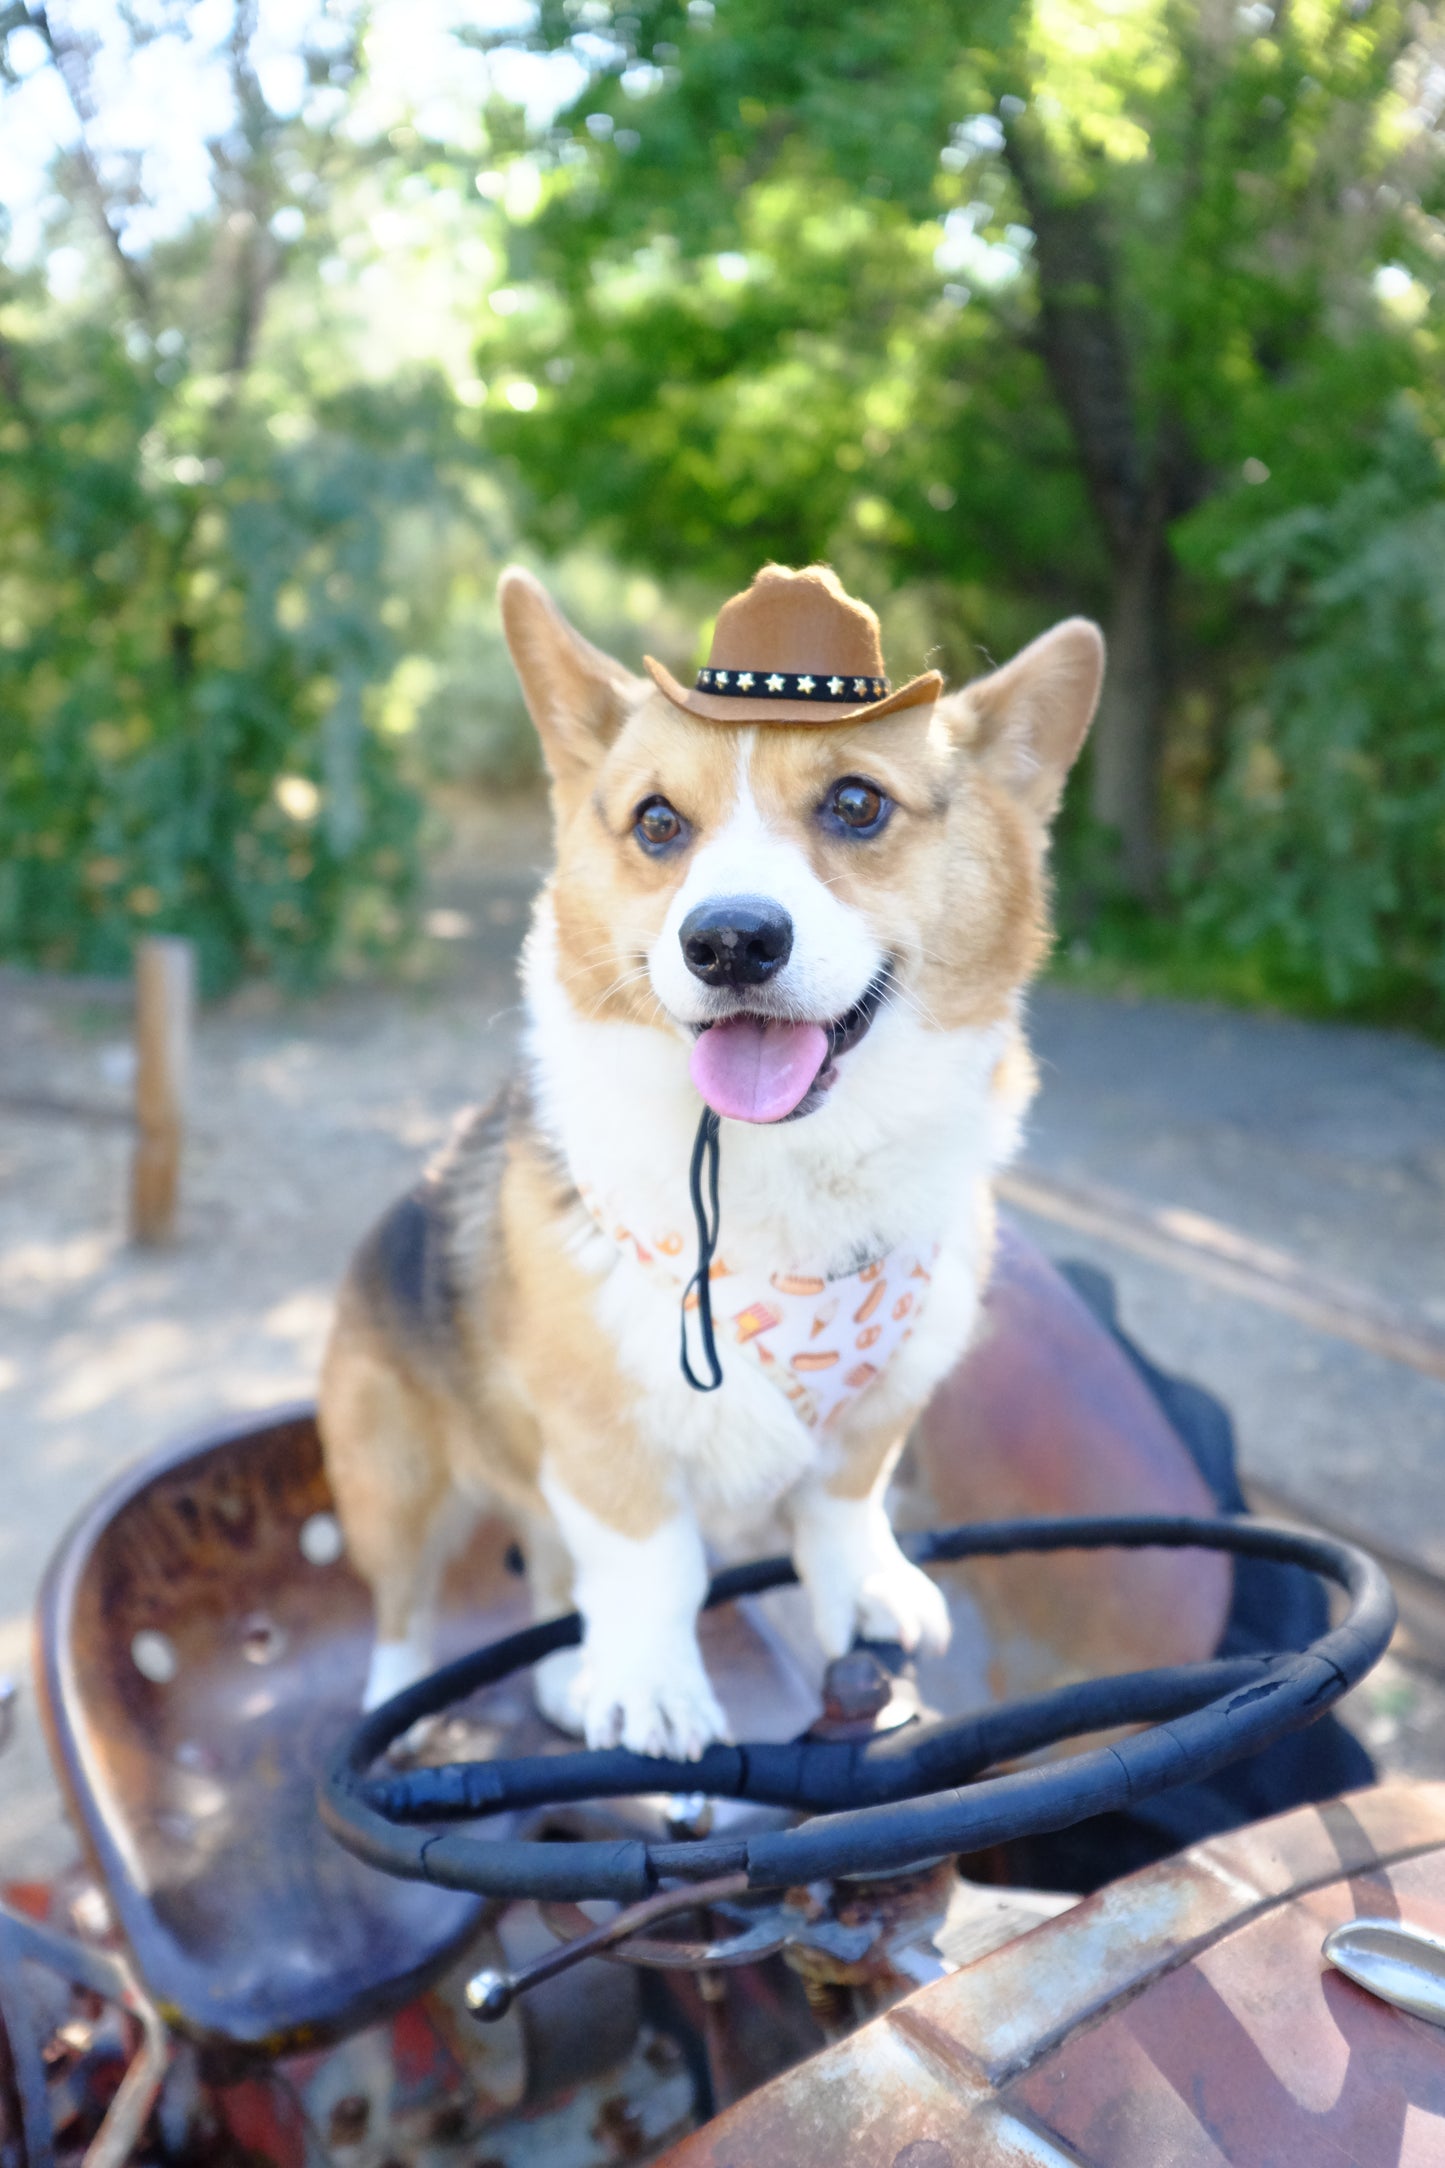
308,1118
1324,1142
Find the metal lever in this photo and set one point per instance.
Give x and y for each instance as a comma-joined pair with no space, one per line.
1401,1965
490,1993
761,1930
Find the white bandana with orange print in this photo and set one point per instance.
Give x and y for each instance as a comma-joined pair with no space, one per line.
822,1341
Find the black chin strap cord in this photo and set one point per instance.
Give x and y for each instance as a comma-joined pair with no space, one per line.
705,1212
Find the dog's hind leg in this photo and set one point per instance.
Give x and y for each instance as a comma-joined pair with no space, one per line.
386,1458
406,1603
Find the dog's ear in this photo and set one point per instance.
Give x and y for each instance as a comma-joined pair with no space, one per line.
577,696
1026,722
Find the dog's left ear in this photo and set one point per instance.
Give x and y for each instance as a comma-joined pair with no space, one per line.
577,696
1026,722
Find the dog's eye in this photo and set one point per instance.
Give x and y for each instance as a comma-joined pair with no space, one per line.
858,805
656,824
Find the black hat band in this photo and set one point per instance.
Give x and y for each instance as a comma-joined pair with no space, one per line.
818,685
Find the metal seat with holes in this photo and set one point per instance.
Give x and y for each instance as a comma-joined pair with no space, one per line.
205,1642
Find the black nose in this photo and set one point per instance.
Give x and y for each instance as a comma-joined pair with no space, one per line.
736,940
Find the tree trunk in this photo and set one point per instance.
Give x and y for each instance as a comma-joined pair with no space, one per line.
1128,734
1133,477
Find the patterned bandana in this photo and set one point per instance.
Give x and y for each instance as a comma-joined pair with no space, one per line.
821,1341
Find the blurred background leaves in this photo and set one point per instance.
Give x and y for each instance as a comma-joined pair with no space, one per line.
1009,309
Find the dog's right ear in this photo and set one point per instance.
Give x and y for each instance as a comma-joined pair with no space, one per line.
577,696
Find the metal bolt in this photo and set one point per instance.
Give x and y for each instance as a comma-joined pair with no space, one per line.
489,1995
855,1686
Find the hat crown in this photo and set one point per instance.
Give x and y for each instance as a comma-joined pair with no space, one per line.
797,621
795,648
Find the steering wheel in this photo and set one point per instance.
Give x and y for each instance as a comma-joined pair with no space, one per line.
877,1805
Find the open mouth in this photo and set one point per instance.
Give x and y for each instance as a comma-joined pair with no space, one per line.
754,1067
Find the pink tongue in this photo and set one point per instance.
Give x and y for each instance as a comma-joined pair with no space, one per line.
755,1071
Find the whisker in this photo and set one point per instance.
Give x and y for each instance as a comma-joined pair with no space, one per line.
590,956
913,1000
575,965
625,978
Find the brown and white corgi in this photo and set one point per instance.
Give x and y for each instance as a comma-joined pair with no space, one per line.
812,904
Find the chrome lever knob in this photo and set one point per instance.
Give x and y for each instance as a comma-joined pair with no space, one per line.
1400,1964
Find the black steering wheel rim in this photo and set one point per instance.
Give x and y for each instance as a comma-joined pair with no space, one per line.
1199,1718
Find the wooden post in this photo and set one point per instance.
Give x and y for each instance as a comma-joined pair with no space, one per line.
165,992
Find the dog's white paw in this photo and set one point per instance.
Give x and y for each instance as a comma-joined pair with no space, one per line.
890,1601
664,1707
900,1603
395,1665
554,1687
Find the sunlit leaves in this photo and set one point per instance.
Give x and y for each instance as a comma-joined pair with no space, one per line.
802,316
186,648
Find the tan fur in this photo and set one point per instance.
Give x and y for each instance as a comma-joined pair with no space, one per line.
562,1362
467,1346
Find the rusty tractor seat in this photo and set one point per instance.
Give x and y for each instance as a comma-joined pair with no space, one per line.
203,1643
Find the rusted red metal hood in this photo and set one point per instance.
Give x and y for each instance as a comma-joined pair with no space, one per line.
1184,2015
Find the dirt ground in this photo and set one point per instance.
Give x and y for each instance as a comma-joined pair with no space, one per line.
309,1117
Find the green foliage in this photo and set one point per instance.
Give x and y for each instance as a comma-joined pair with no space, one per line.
1007,307
1326,845
780,292
983,303
221,551
739,340
190,651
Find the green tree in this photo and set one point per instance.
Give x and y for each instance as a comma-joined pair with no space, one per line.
202,611
988,299
1327,842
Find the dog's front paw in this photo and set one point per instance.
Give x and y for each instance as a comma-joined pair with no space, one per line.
898,1602
885,1599
663,1707
555,1688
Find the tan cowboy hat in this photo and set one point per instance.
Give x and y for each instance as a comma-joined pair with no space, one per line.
796,648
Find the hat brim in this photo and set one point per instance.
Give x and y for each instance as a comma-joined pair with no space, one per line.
731,708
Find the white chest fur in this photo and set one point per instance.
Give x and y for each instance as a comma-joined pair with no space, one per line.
895,1159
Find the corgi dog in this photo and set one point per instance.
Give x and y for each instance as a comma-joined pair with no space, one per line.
811,904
